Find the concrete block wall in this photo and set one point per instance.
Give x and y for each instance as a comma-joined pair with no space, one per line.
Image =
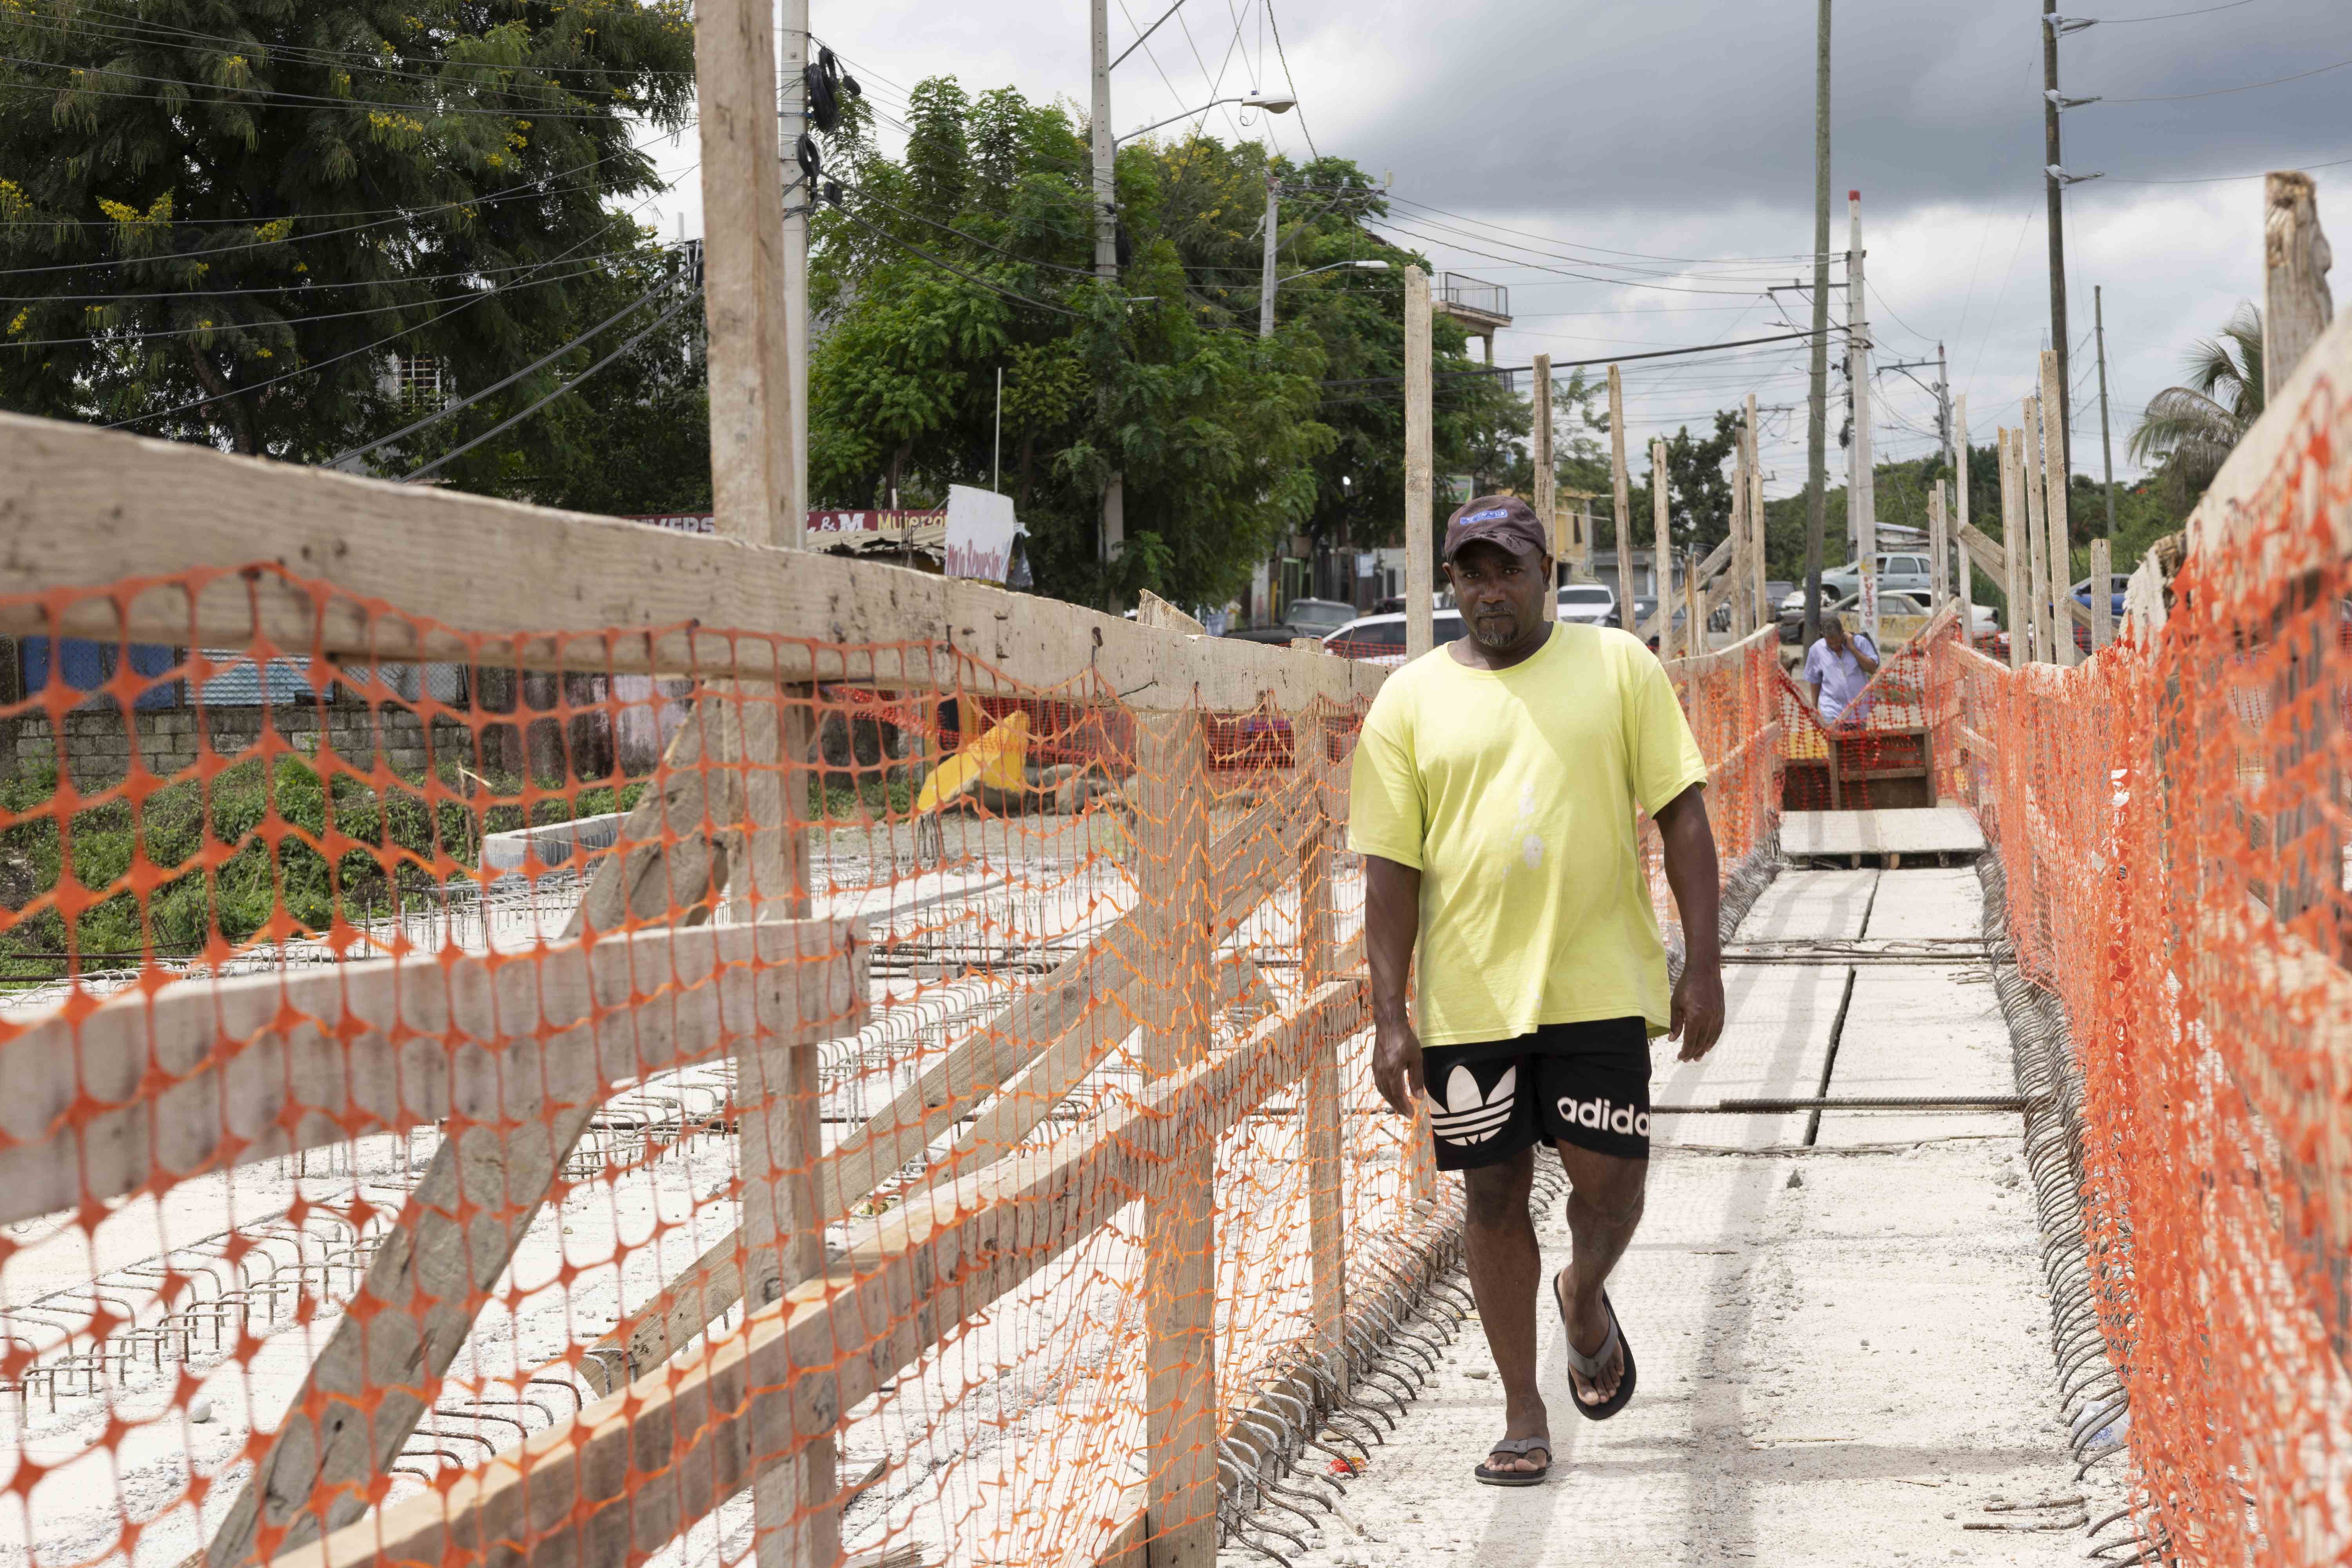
96,746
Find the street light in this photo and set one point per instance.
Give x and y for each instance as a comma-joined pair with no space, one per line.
1279,104
1368,265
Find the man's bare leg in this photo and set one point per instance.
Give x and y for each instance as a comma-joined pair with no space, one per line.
1604,1206
1505,1270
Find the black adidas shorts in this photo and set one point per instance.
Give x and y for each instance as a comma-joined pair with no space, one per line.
1586,1084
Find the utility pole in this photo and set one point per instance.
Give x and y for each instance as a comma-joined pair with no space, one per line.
1266,278
794,123
1944,562
1114,499
1861,500
1817,477
1546,477
2056,183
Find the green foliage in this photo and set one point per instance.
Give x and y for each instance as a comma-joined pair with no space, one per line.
219,192
242,856
2190,431
1225,443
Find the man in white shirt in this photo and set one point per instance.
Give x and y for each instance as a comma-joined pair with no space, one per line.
1838,667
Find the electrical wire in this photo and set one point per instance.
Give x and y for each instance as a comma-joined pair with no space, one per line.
1572,364
2168,16
1626,267
513,420
1564,272
302,288
318,99
1283,59
2226,179
968,239
497,387
2223,91
951,267
1604,250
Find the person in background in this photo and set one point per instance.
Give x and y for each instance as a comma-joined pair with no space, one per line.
1838,667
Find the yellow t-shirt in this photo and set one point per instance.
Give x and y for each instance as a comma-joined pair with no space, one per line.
1514,793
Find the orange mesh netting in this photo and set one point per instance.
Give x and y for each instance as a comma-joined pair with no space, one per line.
2172,819
426,1080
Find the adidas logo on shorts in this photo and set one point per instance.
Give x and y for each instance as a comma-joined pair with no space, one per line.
1604,1116
1468,1118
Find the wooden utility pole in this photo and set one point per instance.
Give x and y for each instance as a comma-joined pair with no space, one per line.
2053,510
1419,479
1546,502
2297,305
2056,185
2102,559
1110,538
1621,484
1664,559
1817,473
1937,539
1767,612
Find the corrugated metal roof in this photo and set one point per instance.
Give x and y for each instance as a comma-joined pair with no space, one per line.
242,683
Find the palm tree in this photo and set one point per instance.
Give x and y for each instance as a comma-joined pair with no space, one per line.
2189,430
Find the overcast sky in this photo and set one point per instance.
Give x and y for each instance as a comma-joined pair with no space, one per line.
1636,173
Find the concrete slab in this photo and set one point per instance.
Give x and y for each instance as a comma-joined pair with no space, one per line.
1798,904
1776,1041
1893,830
1932,1029
1928,901
1842,1373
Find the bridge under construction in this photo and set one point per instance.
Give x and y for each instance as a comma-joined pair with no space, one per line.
924,1118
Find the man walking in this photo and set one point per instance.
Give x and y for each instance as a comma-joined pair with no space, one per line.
1493,799
1839,667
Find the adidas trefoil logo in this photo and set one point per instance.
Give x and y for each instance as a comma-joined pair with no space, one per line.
1464,1118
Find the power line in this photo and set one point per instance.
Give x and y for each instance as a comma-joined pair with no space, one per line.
951,267
968,239
496,386
2168,16
513,420
302,288
1575,363
1604,250
2224,179
1290,81
318,99
1589,278
2222,92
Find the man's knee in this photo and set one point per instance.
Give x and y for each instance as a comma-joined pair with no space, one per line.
1497,1195
1612,1190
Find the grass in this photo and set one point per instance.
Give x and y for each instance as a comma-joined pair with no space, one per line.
228,860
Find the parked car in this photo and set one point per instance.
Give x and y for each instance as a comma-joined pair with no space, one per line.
1777,592
1301,618
1897,573
1380,639
1592,603
1905,603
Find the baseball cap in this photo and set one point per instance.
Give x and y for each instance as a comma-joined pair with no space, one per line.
1503,521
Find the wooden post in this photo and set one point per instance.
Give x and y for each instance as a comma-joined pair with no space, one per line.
1547,480
1736,573
1966,584
2054,512
2102,598
1936,544
752,485
795,1499
2298,306
1327,1208
1621,483
1419,479
2037,538
1665,558
2016,551
1758,544
1180,1279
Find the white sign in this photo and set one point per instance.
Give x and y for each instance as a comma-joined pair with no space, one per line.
981,532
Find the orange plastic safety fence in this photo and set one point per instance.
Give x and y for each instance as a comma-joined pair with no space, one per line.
590,1117
1877,751
2173,817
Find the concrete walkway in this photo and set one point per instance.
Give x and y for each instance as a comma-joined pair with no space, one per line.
1843,1347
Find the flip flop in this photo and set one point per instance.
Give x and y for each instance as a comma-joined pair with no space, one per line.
1518,1448
1591,1367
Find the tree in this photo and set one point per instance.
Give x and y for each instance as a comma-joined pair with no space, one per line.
1699,495
223,219
2190,431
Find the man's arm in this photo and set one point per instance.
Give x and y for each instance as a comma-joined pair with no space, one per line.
1392,923
1868,661
1697,1019
1817,695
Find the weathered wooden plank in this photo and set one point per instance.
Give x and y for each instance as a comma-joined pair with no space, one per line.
208,1074
2298,306
632,1471
1320,1095
1179,1262
456,1233
82,505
